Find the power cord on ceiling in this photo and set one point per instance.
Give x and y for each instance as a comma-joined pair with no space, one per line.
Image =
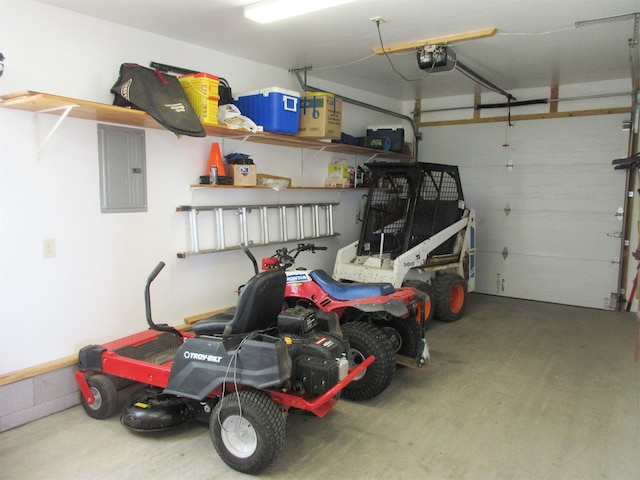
534,34
377,22
330,67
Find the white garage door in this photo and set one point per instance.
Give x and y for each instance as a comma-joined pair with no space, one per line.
546,205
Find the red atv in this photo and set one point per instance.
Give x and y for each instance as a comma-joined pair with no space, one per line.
239,372
377,318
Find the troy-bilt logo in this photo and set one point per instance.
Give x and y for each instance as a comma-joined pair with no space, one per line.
202,356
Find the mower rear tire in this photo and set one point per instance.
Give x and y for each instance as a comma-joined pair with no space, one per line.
105,397
450,291
248,430
366,339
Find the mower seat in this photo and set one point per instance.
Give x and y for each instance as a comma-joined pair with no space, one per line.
350,291
259,304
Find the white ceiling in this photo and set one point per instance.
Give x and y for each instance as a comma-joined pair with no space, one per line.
537,44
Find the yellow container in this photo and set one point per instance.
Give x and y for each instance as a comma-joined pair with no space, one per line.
202,91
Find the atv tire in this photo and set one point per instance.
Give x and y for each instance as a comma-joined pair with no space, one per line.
450,291
426,288
105,397
404,334
366,339
247,429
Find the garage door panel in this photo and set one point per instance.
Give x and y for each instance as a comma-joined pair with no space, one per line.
544,188
570,141
554,234
562,194
567,281
562,142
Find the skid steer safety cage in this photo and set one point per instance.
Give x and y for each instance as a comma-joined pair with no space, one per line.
407,204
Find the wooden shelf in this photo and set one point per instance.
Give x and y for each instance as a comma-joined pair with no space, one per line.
56,105
198,185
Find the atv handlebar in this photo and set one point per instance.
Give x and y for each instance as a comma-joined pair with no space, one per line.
285,258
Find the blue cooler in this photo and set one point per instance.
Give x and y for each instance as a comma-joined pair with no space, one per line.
275,109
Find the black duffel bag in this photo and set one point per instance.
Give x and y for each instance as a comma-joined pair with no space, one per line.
158,94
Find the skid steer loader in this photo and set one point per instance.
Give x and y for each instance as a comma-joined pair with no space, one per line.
416,231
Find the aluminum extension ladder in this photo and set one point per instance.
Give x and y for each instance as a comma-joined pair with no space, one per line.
258,225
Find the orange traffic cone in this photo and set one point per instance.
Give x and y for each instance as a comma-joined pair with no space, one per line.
215,160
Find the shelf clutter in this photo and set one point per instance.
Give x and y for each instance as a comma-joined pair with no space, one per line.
38,102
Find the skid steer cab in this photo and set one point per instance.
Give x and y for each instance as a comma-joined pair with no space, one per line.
416,231
240,372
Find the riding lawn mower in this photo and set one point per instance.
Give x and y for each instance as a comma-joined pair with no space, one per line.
242,372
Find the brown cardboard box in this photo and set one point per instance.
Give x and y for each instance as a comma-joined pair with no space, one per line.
320,116
243,175
335,182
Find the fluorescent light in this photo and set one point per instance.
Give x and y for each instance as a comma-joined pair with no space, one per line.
272,10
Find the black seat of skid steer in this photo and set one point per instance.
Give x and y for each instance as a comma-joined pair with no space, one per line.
259,304
350,291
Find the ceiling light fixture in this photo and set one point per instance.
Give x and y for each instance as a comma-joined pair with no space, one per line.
272,10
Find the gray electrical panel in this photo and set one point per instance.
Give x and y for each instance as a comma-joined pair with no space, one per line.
123,171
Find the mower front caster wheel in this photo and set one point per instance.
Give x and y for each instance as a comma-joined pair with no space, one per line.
105,397
247,429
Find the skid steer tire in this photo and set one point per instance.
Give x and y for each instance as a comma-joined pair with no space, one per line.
366,339
248,430
450,292
426,288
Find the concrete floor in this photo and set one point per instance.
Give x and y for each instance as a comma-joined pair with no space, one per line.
515,390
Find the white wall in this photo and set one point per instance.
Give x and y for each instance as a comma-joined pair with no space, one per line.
92,291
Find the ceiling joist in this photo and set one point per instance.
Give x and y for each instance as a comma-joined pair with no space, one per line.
447,39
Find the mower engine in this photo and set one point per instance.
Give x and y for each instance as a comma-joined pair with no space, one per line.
318,351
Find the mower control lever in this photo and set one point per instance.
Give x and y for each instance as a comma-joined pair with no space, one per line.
252,258
147,303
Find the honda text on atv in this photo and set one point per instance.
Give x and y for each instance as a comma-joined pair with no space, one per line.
242,372
377,318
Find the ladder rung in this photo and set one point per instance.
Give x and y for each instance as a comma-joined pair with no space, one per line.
255,230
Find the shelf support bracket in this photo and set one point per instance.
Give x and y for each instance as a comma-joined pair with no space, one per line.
318,152
373,156
63,116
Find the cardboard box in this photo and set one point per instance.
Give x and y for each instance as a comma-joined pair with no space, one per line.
277,110
334,182
320,116
244,175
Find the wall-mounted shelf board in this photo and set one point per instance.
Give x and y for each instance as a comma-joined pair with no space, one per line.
335,189
57,105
